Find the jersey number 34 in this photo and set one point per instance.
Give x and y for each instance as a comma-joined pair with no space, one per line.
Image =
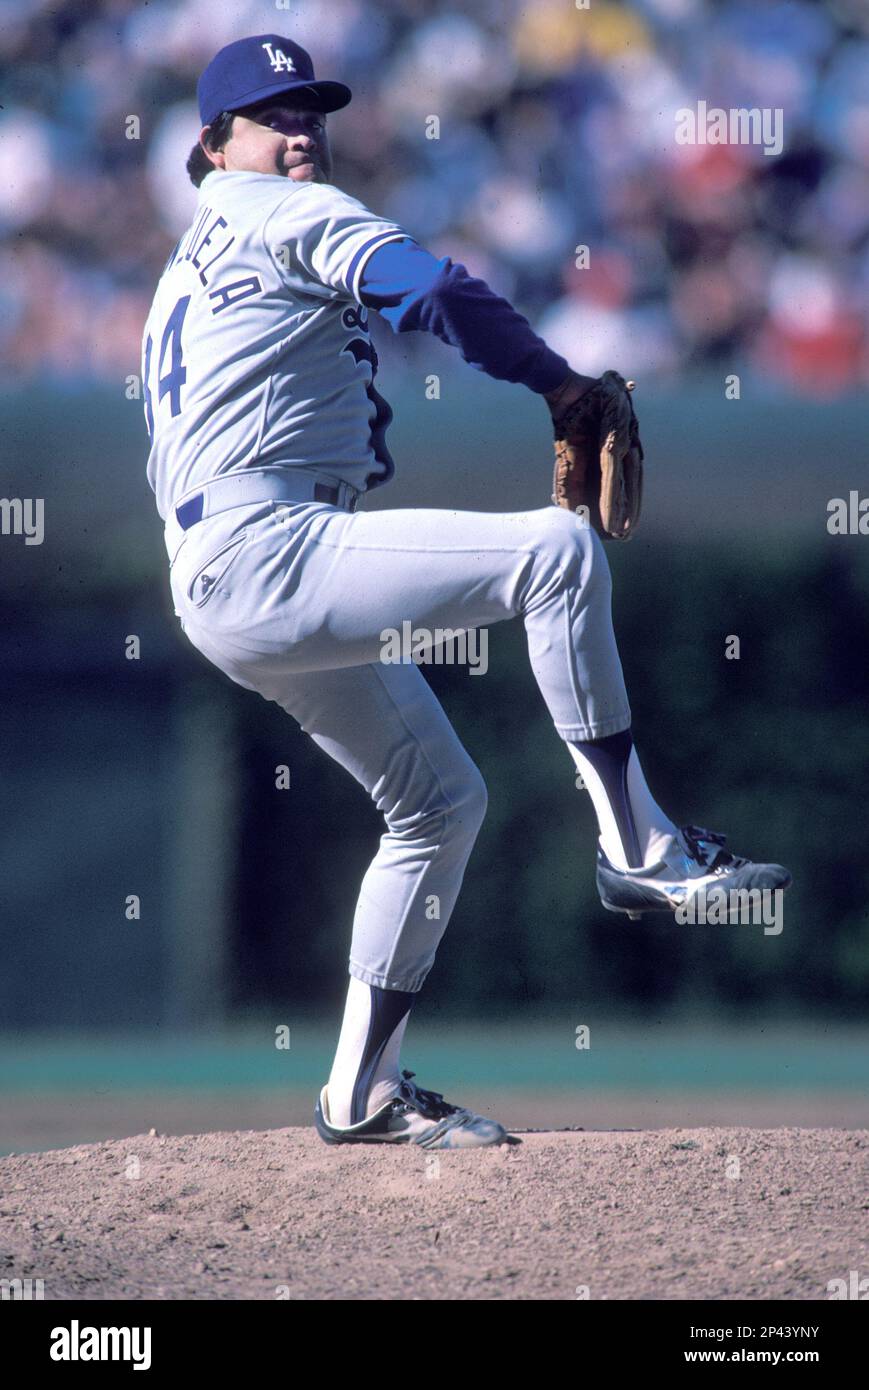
174,379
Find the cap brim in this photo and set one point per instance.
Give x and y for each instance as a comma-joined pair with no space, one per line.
331,96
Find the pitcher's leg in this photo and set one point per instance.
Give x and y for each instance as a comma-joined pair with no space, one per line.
316,589
323,589
386,727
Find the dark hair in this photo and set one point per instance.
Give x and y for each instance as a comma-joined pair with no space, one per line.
198,163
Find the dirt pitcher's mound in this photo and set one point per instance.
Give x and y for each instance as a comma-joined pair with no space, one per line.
707,1213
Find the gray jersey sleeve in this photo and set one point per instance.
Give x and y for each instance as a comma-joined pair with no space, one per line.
320,236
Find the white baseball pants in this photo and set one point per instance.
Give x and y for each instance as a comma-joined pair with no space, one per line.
291,600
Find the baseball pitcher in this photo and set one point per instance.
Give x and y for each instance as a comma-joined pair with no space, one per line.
267,430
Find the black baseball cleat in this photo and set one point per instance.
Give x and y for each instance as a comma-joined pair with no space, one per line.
695,860
414,1116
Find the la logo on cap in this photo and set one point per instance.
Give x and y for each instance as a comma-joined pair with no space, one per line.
279,60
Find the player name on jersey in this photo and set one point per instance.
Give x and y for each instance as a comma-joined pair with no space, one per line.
210,237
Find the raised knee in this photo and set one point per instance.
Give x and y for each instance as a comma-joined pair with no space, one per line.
558,528
568,542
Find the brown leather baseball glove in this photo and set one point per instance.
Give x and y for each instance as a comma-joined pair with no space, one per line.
598,454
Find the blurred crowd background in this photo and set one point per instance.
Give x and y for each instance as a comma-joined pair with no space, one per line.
557,129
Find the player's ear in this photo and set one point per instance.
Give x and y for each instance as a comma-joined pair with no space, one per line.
215,157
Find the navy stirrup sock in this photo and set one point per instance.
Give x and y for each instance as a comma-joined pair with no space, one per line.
609,757
388,1008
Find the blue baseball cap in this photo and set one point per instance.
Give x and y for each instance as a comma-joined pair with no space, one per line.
265,65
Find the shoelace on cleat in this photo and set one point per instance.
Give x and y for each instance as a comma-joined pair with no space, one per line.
430,1104
697,839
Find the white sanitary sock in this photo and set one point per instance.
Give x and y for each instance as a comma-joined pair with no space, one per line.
654,828
348,1058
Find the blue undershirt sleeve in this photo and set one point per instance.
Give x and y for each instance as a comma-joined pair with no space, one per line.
413,290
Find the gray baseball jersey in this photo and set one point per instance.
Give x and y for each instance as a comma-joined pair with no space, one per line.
256,349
